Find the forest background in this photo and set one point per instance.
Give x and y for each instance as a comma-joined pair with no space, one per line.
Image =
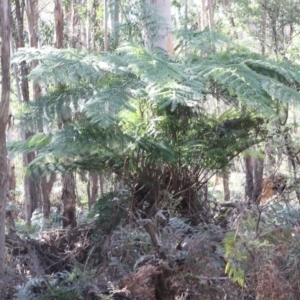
153,149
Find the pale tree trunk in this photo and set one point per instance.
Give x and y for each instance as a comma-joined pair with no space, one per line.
4,112
105,20
74,26
207,14
34,181
164,40
42,186
263,28
19,10
226,188
101,183
92,188
210,15
203,15
88,26
114,20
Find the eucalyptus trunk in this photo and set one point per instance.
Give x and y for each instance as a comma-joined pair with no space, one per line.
4,113
59,24
46,187
163,39
92,189
30,189
34,181
69,201
68,197
114,20
10,162
249,188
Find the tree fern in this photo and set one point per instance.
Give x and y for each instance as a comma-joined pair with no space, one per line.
140,112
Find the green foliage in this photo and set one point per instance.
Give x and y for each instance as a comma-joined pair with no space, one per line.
108,212
61,286
141,114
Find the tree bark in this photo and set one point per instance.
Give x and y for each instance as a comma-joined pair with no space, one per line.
4,111
46,187
114,21
68,181
92,188
226,188
258,179
10,162
249,163
164,39
263,28
69,201
105,19
101,183
59,24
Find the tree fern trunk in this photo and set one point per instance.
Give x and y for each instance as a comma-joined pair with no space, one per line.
4,110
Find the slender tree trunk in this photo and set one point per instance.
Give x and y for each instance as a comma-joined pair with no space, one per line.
228,13
68,181
226,188
19,10
46,186
4,111
210,15
249,162
92,188
32,15
101,183
263,28
258,179
105,20
11,164
114,20
69,201
59,24
203,14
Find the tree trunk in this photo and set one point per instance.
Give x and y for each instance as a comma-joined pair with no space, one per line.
258,179
105,19
46,186
226,188
101,183
249,162
69,201
203,15
114,20
59,24
92,188
4,111
30,189
68,181
11,164
164,39
263,28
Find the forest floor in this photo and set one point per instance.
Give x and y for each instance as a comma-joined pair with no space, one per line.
241,252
